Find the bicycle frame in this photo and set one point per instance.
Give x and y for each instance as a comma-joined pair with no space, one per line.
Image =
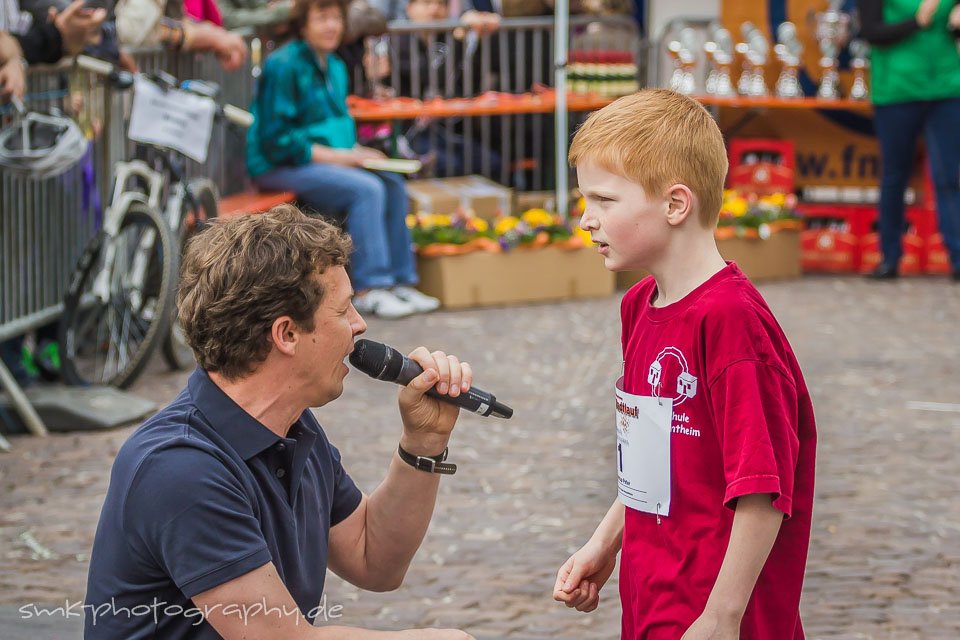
120,202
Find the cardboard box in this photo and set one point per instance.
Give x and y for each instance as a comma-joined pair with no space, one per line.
776,257
526,200
445,196
546,274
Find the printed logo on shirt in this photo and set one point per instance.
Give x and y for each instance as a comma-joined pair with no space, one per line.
668,366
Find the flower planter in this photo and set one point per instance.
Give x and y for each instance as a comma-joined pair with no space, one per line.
773,258
545,274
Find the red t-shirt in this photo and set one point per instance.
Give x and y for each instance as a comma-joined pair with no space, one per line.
748,428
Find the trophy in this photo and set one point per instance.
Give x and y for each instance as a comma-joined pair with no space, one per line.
859,50
788,50
832,30
754,51
719,50
681,51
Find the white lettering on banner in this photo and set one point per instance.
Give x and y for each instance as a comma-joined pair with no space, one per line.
174,119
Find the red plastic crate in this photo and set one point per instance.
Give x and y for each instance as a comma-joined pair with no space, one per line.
761,176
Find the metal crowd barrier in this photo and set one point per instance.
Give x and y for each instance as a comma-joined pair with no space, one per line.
46,224
516,58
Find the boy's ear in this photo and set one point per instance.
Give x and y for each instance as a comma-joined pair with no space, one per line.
679,204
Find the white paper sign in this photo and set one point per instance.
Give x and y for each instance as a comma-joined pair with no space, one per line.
643,451
175,119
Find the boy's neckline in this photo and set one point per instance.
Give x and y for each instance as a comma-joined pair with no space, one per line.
668,311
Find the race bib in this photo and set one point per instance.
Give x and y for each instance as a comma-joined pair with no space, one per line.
643,451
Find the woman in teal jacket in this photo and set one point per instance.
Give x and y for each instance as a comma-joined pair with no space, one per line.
915,78
303,140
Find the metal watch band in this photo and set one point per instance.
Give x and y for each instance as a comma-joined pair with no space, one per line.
430,464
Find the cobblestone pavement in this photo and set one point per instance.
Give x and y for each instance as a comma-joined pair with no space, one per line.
885,555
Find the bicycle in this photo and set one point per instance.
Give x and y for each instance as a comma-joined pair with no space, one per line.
120,304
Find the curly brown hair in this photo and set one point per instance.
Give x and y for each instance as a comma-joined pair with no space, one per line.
297,19
241,274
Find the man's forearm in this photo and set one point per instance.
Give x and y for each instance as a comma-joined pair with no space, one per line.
756,524
398,514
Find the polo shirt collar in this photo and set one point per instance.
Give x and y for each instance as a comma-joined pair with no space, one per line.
244,433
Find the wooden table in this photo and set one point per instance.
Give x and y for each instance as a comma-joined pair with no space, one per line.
499,105
771,102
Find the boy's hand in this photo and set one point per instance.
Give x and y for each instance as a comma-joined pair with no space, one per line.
711,626
583,575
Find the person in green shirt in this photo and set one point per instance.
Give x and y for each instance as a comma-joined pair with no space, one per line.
915,77
304,140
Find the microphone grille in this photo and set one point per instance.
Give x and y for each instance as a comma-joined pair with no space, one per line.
368,356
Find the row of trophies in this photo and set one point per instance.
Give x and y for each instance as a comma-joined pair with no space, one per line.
832,32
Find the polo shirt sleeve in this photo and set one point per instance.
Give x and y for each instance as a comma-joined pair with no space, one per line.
346,495
755,407
186,512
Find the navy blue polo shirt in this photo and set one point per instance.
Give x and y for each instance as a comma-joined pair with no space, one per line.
201,494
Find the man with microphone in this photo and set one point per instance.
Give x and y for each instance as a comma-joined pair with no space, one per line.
225,509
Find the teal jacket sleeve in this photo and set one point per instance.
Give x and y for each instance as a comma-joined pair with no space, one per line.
282,137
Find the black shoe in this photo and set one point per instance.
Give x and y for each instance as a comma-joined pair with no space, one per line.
955,276
884,272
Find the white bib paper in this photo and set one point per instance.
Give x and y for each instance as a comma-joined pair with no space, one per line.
174,119
643,451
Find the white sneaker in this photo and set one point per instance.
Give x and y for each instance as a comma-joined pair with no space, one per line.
418,300
383,304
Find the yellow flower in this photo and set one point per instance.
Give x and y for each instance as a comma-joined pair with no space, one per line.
431,220
537,217
411,221
581,204
478,224
737,207
505,224
775,199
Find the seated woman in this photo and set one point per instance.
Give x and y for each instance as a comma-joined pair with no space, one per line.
303,140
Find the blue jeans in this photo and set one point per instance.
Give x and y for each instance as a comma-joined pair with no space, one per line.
375,205
898,127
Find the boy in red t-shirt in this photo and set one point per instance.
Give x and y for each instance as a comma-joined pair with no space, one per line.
715,430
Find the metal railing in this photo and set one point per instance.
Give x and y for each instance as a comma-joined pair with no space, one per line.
427,61
46,224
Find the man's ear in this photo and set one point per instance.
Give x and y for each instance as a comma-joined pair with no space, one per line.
679,204
284,334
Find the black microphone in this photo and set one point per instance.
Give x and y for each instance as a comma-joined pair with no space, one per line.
379,361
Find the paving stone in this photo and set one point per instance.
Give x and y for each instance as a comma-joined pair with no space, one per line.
885,553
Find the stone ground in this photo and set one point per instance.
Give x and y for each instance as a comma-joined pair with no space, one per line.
885,554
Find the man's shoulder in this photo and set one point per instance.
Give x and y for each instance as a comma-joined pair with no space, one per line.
173,441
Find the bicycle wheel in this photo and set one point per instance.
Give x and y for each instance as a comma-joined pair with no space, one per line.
109,341
193,219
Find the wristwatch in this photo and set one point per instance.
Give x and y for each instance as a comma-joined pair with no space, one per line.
430,464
